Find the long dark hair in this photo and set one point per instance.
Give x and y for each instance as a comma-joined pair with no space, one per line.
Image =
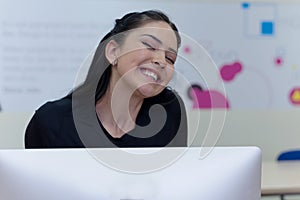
100,66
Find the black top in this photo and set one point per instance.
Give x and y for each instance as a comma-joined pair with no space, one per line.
58,124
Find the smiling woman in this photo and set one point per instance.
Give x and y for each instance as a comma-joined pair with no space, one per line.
125,100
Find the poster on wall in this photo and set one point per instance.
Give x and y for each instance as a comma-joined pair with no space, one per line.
253,49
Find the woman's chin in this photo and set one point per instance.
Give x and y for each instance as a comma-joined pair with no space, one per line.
149,90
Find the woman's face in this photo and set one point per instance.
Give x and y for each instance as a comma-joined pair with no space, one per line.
145,60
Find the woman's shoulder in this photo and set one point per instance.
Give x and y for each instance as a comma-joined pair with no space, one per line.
52,126
57,108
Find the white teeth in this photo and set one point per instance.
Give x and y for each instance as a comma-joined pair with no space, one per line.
150,74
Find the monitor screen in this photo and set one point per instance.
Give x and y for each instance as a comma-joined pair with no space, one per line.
174,173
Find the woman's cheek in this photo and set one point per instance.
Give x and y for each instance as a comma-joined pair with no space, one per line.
144,54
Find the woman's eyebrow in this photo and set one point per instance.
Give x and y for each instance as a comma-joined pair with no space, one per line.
160,42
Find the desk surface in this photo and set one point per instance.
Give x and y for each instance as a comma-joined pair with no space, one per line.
280,178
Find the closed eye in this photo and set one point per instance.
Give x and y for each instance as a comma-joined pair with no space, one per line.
171,57
170,60
149,46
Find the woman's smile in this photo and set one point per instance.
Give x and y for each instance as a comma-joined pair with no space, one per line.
150,73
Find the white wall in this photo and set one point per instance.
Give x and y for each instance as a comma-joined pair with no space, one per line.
272,131
12,128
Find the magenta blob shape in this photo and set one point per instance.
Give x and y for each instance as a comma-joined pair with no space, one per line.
228,72
209,99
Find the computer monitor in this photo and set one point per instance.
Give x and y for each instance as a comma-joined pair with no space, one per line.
225,173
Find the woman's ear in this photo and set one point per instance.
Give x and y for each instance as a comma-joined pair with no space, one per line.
111,51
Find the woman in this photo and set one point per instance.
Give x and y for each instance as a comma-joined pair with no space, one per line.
124,101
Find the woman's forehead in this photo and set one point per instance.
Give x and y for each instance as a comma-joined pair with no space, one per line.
157,31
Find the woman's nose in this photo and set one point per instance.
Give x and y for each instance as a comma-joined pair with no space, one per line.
159,58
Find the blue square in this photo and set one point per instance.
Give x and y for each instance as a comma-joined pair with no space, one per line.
245,5
267,28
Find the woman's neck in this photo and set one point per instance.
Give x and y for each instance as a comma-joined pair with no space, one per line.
118,109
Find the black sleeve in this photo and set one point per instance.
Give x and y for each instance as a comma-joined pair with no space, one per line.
33,136
52,126
42,128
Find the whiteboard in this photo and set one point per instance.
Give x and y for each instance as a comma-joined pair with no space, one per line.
254,46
